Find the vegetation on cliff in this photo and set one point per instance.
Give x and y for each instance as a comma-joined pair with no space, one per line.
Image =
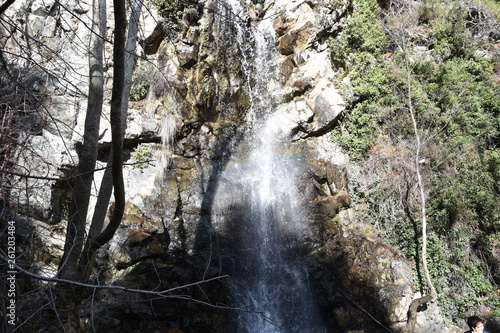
454,77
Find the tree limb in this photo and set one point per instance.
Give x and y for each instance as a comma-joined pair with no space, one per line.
163,293
117,124
6,5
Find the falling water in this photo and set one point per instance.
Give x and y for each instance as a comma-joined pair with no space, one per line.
258,205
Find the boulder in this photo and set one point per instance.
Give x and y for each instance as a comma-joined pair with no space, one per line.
327,104
297,29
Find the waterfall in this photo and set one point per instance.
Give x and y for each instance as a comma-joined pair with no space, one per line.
257,204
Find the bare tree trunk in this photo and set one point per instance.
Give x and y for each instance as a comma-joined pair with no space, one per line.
77,220
404,16
412,311
423,200
71,268
75,234
106,187
117,133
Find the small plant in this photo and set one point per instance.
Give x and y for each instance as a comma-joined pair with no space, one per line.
142,155
140,82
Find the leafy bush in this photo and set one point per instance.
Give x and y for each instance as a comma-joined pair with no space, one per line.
142,156
140,83
457,106
364,33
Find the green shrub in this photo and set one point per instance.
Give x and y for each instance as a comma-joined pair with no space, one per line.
140,82
457,107
142,156
364,33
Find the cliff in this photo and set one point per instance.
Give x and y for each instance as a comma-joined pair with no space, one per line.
194,104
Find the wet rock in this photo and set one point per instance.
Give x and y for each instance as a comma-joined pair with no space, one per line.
331,205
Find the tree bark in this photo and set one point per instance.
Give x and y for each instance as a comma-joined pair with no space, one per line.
412,312
117,120
105,190
405,18
87,158
78,210
6,5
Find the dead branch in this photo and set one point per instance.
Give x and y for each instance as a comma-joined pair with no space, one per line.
162,293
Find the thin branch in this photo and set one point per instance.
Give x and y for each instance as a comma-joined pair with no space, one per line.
65,179
160,294
93,286
5,6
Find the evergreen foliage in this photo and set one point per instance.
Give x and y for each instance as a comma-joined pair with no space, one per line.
454,77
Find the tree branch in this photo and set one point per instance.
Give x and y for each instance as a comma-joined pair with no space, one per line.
65,179
162,293
5,6
117,124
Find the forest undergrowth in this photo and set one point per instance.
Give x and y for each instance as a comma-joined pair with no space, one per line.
454,73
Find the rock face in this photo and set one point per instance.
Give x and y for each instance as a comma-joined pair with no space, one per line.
196,113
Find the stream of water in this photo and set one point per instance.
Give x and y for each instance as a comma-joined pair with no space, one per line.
261,209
